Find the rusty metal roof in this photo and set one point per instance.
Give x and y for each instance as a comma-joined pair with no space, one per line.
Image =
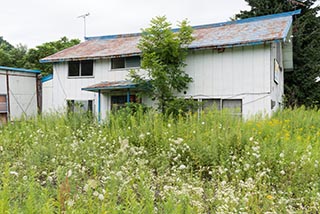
251,31
110,85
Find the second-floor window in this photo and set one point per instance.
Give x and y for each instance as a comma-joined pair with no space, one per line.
125,62
80,68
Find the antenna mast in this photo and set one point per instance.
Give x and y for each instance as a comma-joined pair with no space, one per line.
84,23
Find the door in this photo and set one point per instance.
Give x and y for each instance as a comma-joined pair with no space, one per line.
3,109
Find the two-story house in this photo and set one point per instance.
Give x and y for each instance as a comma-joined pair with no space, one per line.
237,64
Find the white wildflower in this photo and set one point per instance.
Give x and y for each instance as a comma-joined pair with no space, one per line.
101,197
251,138
141,136
25,177
281,155
14,173
182,167
246,167
203,123
169,125
70,203
255,148
69,173
86,187
282,172
95,193
1,148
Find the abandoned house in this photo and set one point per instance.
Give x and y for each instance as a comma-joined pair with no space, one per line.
237,64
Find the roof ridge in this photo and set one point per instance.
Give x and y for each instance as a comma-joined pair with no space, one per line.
219,24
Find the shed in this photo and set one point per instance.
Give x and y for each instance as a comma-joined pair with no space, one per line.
20,93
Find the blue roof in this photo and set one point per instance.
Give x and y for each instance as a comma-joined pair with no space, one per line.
47,78
251,31
19,70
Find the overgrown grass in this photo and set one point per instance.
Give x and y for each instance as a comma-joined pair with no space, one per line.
144,163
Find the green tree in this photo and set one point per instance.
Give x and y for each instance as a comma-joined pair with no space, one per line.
163,58
300,85
35,54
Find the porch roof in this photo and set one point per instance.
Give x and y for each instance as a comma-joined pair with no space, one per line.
110,85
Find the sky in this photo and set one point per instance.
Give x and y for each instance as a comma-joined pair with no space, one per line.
34,22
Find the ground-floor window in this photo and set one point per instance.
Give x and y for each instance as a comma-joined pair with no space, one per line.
78,106
233,105
119,101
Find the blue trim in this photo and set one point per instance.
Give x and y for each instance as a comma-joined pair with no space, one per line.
20,70
128,95
109,88
115,36
253,19
99,105
47,78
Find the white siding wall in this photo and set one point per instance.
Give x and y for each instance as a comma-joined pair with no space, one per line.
236,73
277,88
23,93
66,88
47,96
3,83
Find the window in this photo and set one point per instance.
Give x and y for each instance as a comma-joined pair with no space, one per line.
79,106
234,106
211,104
120,101
125,62
3,104
80,68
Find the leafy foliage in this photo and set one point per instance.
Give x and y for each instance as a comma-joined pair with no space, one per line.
21,57
46,49
300,85
163,57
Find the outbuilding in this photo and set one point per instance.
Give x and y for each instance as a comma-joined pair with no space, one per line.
20,93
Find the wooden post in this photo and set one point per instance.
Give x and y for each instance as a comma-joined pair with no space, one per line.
8,96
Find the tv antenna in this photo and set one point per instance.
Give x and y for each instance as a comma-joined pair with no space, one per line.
84,23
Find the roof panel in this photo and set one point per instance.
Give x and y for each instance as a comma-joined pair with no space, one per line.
250,31
107,85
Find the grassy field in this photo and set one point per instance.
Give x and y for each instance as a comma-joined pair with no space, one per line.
145,163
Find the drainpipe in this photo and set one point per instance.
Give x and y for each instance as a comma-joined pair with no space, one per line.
99,105
8,96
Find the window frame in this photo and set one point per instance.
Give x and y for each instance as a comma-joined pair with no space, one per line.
75,106
125,63
81,64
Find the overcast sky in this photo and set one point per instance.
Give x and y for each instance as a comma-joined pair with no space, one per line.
33,22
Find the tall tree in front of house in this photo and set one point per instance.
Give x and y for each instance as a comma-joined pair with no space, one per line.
163,58
300,85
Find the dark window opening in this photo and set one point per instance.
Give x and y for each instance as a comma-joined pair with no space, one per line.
117,63
126,62
80,68
73,69
87,68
